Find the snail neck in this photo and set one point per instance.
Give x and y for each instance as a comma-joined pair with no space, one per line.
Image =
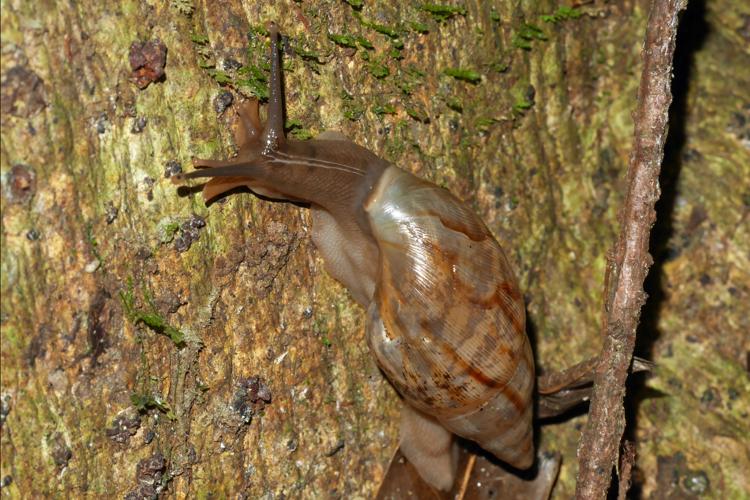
337,176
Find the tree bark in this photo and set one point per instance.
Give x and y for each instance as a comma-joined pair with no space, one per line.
132,333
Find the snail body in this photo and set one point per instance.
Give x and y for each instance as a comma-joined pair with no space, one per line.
445,318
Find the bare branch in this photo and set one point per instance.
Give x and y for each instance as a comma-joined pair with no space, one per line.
600,443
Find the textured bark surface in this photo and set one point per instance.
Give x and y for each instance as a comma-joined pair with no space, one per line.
97,244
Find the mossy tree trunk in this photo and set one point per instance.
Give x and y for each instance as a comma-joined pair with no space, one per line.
135,320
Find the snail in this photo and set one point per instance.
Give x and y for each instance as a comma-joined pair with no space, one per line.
445,317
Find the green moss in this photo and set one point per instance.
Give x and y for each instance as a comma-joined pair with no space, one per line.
527,33
355,4
396,146
295,129
320,326
257,31
521,43
203,50
418,114
354,113
364,43
352,41
343,40
420,28
499,66
443,12
410,79
485,123
167,231
255,80
144,402
253,77
466,75
199,39
91,240
308,55
562,14
152,319
384,109
378,70
522,105
380,28
521,93
455,104
10,335
221,77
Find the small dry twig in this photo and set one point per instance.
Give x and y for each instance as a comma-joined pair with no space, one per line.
627,460
600,443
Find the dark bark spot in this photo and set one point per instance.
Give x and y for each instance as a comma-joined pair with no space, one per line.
4,408
232,64
149,474
151,468
139,124
149,183
169,302
145,492
37,347
125,425
223,101
143,253
147,62
22,92
189,233
60,452
149,436
251,396
99,317
101,123
336,448
111,212
21,183
173,167
676,480
711,398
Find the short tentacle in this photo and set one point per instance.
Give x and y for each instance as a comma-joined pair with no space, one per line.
200,163
273,134
248,128
226,169
221,185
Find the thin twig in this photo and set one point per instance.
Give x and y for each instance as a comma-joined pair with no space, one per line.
627,460
600,443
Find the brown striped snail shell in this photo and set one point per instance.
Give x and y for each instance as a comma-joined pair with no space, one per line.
447,320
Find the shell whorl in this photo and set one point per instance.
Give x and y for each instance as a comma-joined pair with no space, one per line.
447,322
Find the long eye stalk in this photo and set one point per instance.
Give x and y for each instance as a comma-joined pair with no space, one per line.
273,135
